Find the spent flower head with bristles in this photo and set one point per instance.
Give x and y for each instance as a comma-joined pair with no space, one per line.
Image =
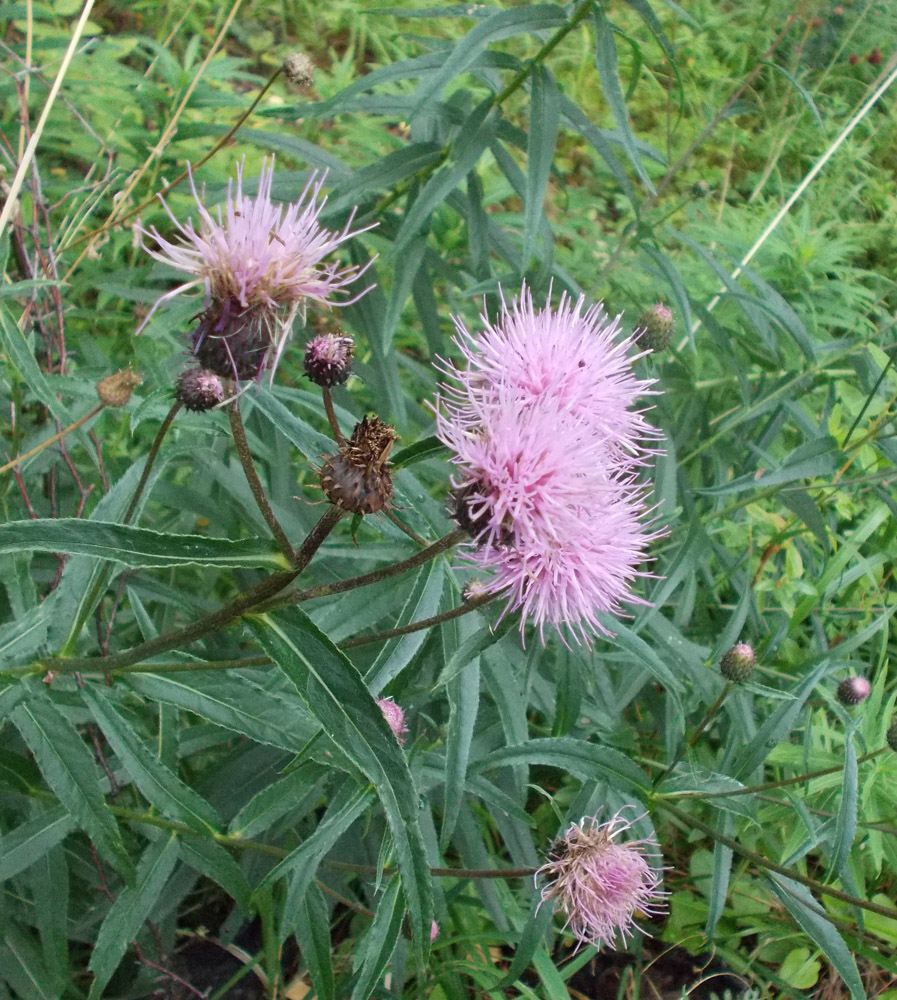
357,478
117,389
600,884
854,690
299,69
259,263
395,716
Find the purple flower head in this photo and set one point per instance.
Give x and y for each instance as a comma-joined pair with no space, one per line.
258,262
601,885
395,716
571,357
547,454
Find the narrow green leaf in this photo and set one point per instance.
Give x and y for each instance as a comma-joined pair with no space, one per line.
544,121
472,646
28,843
587,761
420,451
70,770
606,61
131,908
337,695
531,939
379,941
213,861
312,923
50,893
162,787
301,787
846,823
130,546
722,869
22,965
464,699
813,921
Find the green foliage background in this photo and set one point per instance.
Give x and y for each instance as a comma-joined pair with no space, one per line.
633,158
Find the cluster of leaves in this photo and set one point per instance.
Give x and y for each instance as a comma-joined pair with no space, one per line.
243,796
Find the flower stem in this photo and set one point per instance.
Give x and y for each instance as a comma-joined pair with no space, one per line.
760,861
164,428
697,793
245,603
444,616
255,484
52,440
475,873
396,569
690,742
331,416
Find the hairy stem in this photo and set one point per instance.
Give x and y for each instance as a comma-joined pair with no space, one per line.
444,616
396,569
255,484
331,416
759,861
246,602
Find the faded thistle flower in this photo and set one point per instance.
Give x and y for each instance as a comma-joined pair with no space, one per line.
737,664
116,390
299,69
854,690
259,263
395,716
328,359
357,478
600,885
198,389
547,453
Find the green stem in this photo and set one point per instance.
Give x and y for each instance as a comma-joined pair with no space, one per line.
696,793
478,873
255,484
246,602
513,85
445,616
396,569
759,861
708,718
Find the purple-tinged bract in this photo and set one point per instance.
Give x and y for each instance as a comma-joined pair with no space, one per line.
258,262
600,884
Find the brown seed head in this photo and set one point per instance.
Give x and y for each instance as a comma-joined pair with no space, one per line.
116,390
299,69
357,479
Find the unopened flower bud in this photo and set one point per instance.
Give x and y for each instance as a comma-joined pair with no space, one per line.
700,189
328,359
657,327
853,690
737,664
199,389
299,69
875,57
891,736
357,479
853,59
116,390
395,716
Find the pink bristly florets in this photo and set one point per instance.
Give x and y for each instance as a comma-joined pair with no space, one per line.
395,716
600,885
258,262
547,453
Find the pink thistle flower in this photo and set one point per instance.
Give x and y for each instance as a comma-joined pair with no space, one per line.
395,716
572,357
601,885
259,263
434,931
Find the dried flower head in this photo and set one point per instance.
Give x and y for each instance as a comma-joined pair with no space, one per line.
357,478
299,69
395,716
198,389
600,885
116,390
259,263
328,359
854,690
737,664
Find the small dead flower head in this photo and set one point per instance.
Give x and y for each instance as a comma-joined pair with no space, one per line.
395,716
259,263
600,884
357,478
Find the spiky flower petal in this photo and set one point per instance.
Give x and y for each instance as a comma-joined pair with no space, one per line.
600,884
258,262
